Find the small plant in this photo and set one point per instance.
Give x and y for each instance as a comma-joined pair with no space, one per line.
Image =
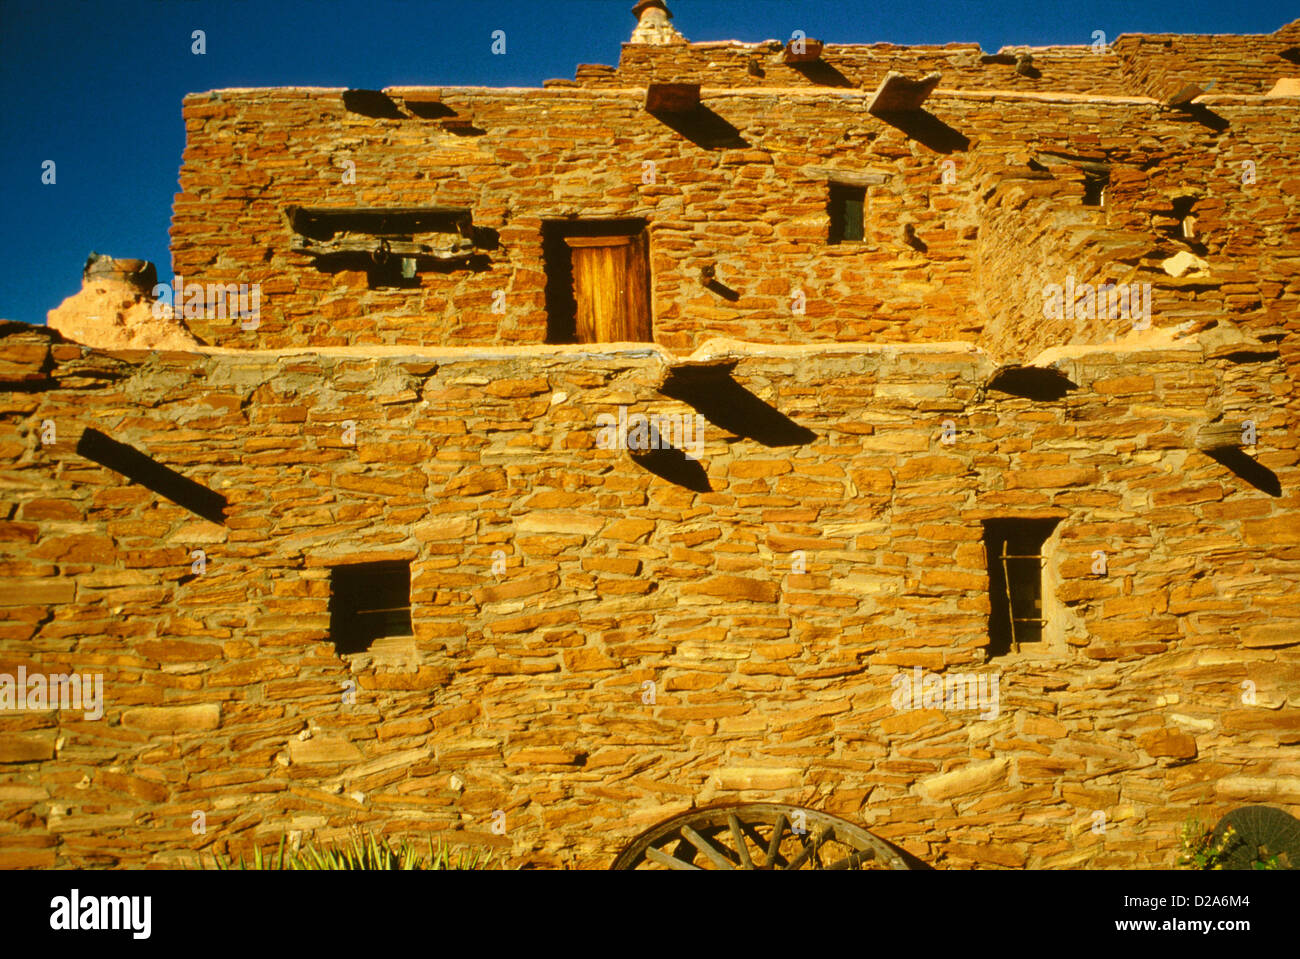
364,851
1199,848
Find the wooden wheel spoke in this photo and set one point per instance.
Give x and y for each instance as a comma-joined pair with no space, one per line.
810,847
774,843
854,859
684,851
711,852
672,862
738,837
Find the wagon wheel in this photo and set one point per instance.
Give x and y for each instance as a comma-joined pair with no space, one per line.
757,836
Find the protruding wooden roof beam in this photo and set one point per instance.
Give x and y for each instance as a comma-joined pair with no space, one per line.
898,94
803,51
1185,95
1218,436
672,97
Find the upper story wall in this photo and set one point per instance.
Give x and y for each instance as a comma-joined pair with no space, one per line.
1161,64
971,208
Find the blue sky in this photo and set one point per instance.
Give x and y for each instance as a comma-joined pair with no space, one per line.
97,86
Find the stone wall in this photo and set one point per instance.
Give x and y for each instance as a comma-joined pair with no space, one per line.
223,691
744,190
1154,65
1075,69
1160,64
1035,229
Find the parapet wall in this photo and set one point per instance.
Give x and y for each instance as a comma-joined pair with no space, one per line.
1155,65
838,543
859,66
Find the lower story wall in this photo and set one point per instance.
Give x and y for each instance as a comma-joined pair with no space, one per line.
602,640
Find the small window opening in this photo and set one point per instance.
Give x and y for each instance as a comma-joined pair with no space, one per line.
846,207
1094,189
1015,560
369,601
1183,214
1179,223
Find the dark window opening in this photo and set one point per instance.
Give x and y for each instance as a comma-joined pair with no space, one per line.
1015,559
846,207
1094,189
1182,212
393,245
597,281
1181,223
369,601
1043,384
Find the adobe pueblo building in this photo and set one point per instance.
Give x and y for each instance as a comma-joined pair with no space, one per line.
906,434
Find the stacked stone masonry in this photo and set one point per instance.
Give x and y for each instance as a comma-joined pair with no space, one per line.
772,609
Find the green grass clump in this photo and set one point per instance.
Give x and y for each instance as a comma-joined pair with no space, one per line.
365,851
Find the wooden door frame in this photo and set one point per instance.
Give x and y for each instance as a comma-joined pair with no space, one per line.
557,259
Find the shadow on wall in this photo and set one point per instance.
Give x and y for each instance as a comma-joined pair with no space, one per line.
1253,472
704,128
149,473
668,462
711,391
823,74
928,129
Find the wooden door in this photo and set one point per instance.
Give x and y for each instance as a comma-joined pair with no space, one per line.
611,288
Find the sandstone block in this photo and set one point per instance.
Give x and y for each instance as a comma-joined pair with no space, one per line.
734,587
173,719
27,747
968,779
759,777
1168,742
628,530
322,749
559,522
35,592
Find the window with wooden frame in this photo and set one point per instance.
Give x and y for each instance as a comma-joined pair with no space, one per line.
369,601
847,208
1015,551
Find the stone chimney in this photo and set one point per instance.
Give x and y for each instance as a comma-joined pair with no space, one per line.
652,24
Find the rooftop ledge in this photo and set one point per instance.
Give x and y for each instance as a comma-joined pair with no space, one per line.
707,92
715,351
718,351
